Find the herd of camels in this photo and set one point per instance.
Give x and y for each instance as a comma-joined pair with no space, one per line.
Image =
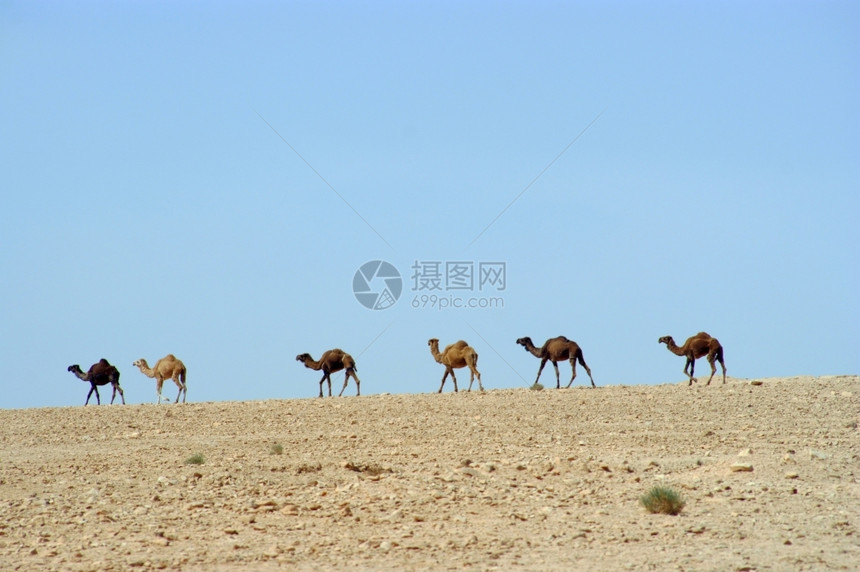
455,356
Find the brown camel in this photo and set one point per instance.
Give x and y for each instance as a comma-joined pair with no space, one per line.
457,355
167,367
101,373
331,362
556,350
695,347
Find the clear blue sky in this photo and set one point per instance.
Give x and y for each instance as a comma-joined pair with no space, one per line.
206,178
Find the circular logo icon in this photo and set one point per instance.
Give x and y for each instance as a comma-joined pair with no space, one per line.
377,285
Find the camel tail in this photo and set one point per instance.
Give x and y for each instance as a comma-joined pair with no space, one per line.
182,375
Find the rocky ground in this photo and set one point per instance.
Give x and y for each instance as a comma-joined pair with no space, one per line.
506,479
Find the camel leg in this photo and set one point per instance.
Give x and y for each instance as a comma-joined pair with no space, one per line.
93,388
454,379
159,383
346,382
723,364
116,388
691,363
181,387
357,383
444,377
572,372
475,373
325,375
711,360
557,376
540,370
587,369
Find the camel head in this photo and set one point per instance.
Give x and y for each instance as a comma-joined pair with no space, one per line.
75,369
525,342
304,358
433,342
666,340
141,363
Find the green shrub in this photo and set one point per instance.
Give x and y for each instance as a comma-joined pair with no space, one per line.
536,387
195,459
276,449
662,500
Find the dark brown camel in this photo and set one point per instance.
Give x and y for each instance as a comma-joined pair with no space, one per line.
556,350
331,362
101,373
695,347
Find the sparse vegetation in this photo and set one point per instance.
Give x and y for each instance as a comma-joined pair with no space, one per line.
536,387
369,468
276,449
662,500
195,459
309,468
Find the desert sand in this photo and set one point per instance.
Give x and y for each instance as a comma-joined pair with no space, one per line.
504,479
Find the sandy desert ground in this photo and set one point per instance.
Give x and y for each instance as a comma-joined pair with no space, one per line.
505,479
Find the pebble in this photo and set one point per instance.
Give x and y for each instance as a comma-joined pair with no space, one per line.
741,468
290,510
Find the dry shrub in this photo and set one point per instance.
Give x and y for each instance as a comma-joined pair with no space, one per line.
662,500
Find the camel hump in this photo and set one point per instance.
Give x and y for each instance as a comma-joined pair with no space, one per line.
703,335
103,361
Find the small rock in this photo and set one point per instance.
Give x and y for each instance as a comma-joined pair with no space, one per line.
290,510
745,453
741,468
791,475
756,382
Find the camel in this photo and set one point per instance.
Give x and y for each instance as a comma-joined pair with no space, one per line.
167,367
556,350
331,362
101,373
695,347
457,355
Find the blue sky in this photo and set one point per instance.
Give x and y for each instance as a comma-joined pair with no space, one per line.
205,179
